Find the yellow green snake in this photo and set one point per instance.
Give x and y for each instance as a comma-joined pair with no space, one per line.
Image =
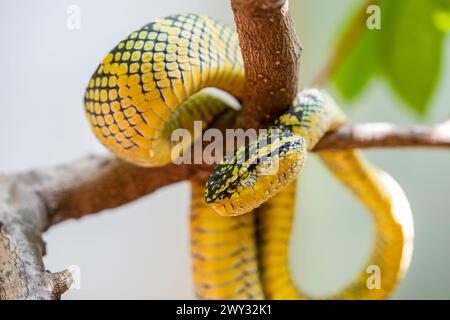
148,86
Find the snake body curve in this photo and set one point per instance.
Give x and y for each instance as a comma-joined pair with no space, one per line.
149,84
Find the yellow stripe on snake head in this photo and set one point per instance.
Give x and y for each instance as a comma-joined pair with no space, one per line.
256,173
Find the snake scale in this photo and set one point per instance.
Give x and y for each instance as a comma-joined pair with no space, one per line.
150,84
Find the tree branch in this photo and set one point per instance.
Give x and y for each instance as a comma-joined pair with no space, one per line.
386,135
22,218
271,53
33,201
97,183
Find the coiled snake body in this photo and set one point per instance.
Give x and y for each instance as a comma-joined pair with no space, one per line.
147,86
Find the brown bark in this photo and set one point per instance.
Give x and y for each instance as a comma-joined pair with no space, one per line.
23,216
98,183
31,202
386,135
271,53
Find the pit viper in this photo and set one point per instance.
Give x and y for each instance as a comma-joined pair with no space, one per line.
151,84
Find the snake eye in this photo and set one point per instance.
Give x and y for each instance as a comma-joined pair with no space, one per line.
256,173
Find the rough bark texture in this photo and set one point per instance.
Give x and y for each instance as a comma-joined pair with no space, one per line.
98,183
31,202
23,216
271,53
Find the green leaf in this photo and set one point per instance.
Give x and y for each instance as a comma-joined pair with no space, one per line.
411,52
357,69
441,16
407,51
441,19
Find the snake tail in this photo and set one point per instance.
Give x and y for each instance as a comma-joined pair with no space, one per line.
311,115
224,252
392,218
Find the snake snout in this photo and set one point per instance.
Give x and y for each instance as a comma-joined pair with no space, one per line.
256,173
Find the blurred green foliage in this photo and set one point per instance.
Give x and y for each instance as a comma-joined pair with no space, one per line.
407,51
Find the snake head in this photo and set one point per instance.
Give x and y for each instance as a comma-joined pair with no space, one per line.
255,173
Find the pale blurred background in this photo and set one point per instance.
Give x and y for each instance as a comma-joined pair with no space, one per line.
141,251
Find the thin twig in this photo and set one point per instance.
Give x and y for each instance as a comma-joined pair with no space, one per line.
386,135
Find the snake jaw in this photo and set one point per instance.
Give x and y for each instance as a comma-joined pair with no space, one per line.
220,209
237,188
